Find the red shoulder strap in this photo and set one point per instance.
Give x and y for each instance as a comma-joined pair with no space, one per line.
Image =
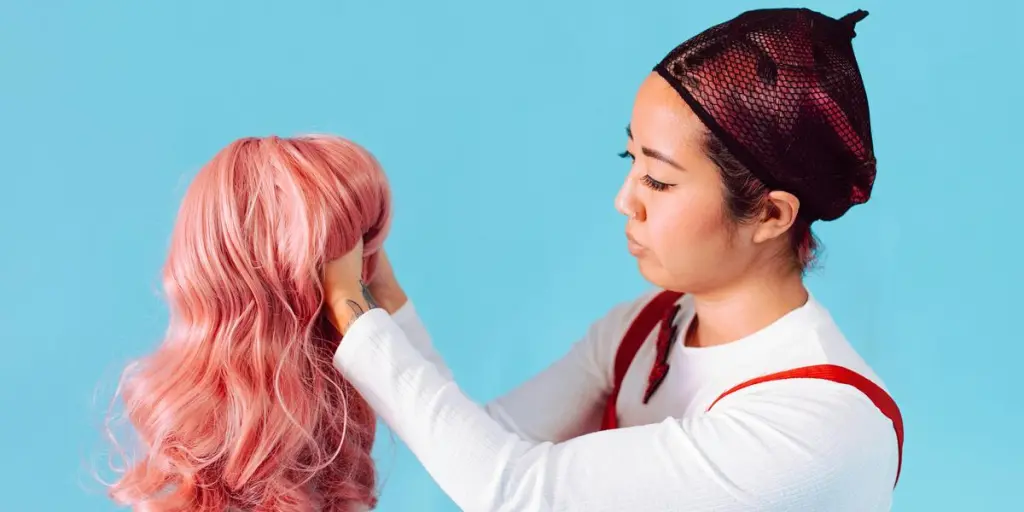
834,373
642,325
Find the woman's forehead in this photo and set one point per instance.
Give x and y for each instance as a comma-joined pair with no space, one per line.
661,117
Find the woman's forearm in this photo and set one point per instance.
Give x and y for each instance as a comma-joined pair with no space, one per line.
569,385
575,384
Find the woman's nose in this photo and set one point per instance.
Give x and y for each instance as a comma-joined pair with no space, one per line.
626,202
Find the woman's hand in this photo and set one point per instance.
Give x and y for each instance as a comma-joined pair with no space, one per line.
384,286
346,295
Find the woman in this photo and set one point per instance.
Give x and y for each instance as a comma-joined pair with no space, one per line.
240,408
732,389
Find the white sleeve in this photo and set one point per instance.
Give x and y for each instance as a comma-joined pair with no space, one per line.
797,445
576,385
408,319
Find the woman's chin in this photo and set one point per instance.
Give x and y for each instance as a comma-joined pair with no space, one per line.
651,271
657,275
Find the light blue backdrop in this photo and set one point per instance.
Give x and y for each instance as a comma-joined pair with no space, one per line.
499,125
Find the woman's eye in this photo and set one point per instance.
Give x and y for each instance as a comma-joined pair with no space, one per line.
647,179
655,184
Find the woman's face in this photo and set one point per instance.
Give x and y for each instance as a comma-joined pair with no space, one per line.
678,228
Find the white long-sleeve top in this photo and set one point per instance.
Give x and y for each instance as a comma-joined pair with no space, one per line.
794,445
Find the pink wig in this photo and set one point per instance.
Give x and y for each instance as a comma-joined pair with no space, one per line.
240,407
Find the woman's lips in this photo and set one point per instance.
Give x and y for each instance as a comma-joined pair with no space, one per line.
634,247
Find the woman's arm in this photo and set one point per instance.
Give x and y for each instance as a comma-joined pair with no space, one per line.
792,445
576,385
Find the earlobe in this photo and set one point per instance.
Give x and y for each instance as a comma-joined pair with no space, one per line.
780,213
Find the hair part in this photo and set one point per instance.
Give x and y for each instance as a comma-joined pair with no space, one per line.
746,200
240,407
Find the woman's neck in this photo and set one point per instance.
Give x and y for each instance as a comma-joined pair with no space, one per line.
747,306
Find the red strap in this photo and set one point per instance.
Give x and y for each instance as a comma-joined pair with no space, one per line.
656,309
841,375
635,336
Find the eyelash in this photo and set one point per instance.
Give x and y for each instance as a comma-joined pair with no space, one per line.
655,184
650,182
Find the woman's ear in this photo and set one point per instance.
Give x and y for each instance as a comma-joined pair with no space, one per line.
780,213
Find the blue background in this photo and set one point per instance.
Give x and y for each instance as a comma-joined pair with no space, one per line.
499,125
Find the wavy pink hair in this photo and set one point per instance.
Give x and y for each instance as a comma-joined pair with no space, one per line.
240,406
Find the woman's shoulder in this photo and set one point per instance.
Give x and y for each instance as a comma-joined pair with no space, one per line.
832,347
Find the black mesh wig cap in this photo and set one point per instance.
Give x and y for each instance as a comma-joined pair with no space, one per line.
782,91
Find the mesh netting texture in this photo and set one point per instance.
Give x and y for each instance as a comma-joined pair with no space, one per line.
782,90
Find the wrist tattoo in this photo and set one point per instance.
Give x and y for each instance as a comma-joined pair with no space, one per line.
357,308
357,311
367,296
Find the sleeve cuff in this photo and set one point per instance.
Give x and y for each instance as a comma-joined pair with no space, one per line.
406,314
364,339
